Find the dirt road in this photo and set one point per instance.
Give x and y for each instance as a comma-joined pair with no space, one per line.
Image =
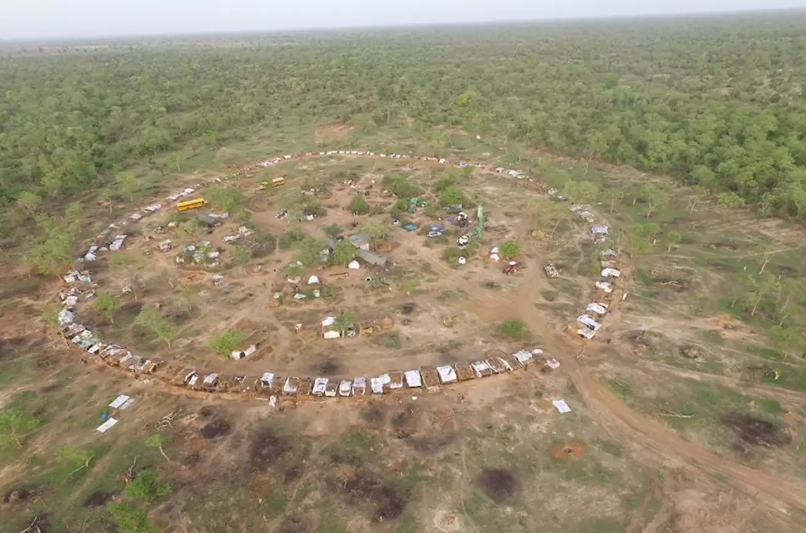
608,409
637,427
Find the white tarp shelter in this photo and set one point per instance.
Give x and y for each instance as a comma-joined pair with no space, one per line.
599,309
106,426
345,387
586,332
447,374
319,386
267,379
119,401
377,383
588,321
413,378
523,357
604,286
561,406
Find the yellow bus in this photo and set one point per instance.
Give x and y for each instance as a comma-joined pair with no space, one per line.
277,182
191,204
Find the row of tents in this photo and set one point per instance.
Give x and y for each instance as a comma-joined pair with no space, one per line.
269,383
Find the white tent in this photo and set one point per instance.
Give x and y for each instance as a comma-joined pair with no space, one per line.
313,280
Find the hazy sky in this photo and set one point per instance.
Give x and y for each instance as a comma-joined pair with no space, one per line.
93,18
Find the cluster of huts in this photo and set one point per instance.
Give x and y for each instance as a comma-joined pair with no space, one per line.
78,284
589,322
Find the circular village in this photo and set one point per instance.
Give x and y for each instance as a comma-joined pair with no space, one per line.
340,274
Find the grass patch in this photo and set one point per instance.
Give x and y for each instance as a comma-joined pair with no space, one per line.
770,406
513,329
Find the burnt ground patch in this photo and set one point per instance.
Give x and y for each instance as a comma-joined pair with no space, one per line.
423,431
407,308
12,347
98,499
374,414
191,460
328,367
215,428
756,431
498,484
294,524
361,488
266,449
21,496
292,473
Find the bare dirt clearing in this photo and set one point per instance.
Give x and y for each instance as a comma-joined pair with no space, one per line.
466,458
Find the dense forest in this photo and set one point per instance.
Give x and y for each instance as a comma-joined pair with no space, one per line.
717,101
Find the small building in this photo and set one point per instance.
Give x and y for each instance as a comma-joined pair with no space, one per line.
360,241
372,258
208,222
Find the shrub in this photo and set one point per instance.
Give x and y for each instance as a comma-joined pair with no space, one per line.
509,249
290,238
228,341
452,195
513,329
358,205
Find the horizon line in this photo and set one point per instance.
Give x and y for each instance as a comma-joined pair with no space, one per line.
392,26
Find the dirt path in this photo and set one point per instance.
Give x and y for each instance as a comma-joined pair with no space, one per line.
636,427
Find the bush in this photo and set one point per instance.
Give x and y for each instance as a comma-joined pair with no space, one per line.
444,182
229,199
358,205
400,186
452,195
509,249
228,341
291,238
513,329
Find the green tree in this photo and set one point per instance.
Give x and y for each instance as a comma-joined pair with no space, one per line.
653,194
146,487
509,249
333,231
760,287
641,238
228,199
358,205
129,518
310,251
156,441
581,191
343,253
452,196
730,200
130,266
672,239
29,203
152,320
16,426
106,304
444,182
52,254
228,341
547,215
127,183
376,230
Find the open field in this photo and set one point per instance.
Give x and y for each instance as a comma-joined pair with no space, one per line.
686,406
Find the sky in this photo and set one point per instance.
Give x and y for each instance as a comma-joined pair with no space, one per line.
31,19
